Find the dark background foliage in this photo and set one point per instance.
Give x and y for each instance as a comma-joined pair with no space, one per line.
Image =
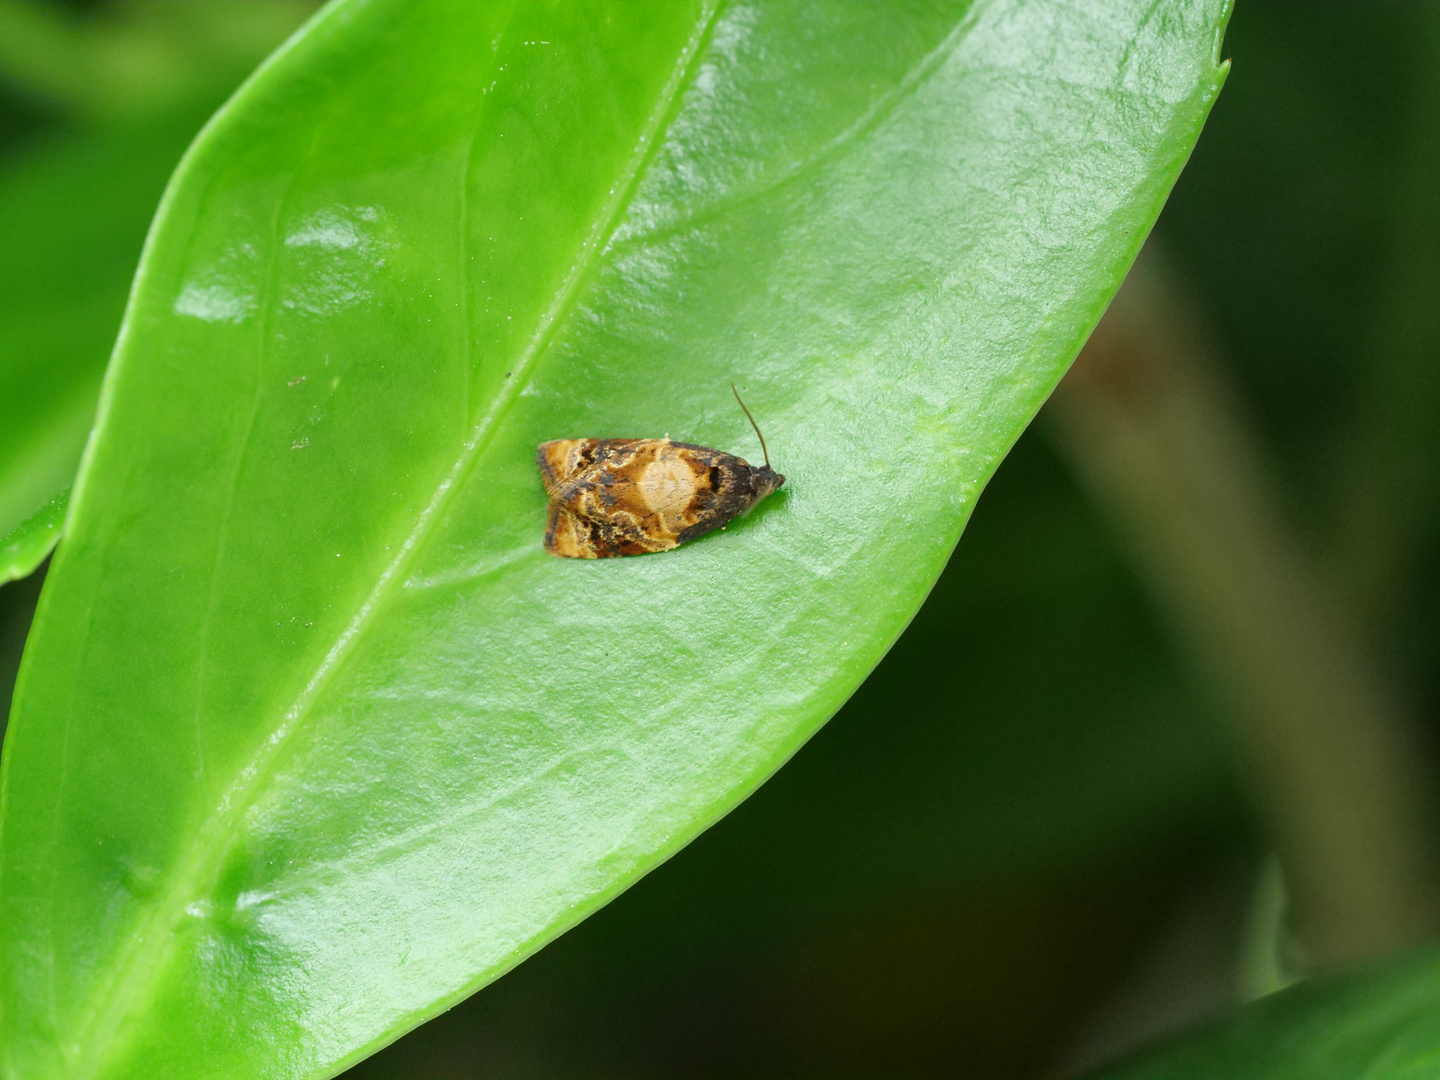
1031,839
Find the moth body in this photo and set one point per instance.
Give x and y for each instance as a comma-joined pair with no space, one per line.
612,497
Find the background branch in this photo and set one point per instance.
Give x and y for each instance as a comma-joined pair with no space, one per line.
1149,425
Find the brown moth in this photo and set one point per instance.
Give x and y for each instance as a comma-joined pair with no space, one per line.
611,497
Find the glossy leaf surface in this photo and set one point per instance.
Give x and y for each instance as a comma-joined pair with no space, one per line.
1381,1024
25,546
312,738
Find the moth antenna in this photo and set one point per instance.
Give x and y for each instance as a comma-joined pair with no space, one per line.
754,425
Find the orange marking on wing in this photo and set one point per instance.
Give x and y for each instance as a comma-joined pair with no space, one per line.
560,459
567,535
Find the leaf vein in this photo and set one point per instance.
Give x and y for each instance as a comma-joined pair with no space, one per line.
151,947
837,147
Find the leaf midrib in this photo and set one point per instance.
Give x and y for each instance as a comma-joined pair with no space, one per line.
140,968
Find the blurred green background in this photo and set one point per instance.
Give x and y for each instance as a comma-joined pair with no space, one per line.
1032,839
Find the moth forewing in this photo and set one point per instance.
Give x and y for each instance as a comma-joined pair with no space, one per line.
613,497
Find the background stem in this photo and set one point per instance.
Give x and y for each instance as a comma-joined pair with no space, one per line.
1149,425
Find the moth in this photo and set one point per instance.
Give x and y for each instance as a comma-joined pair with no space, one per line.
612,497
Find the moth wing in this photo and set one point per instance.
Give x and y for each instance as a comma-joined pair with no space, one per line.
561,459
666,477
568,535
614,497
694,487
572,536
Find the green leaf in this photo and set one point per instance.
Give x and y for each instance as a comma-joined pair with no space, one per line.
25,546
1378,1024
312,738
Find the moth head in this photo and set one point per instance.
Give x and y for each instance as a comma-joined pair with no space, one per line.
765,480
